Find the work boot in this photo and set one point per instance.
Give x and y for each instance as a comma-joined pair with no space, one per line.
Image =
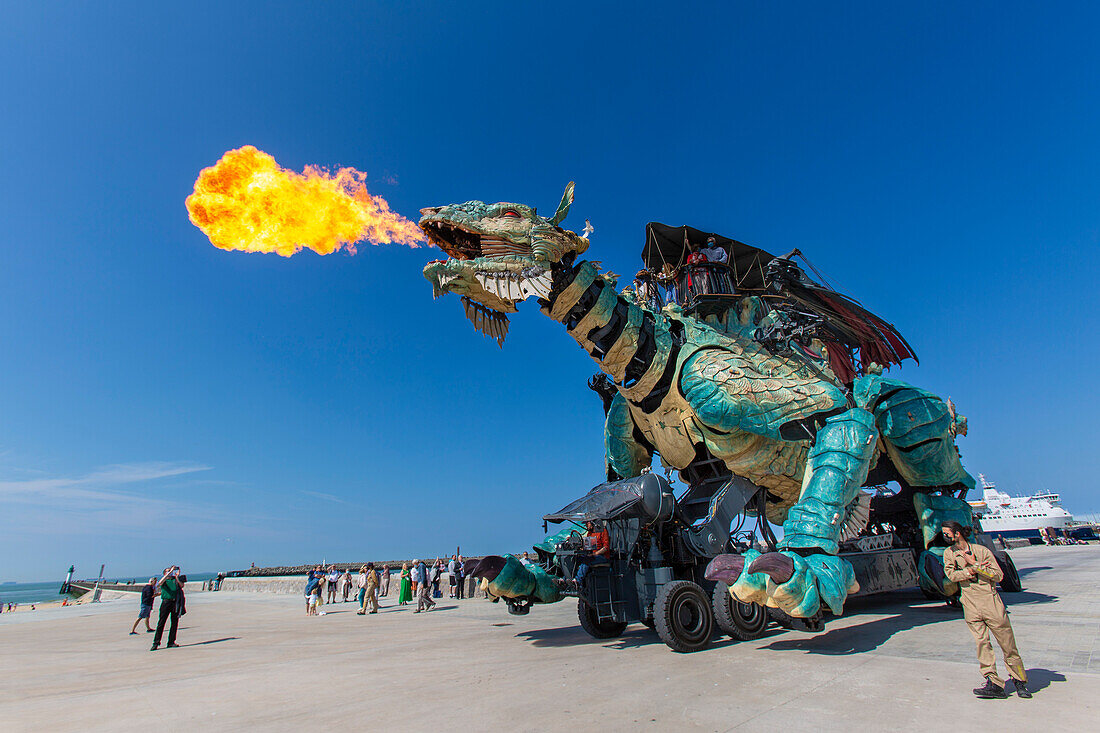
171,645
991,691
155,646
1021,689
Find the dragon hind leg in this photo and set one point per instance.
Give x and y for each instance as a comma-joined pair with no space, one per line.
918,430
932,511
807,571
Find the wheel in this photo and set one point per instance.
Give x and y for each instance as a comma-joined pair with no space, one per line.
683,616
598,629
780,618
1010,583
744,621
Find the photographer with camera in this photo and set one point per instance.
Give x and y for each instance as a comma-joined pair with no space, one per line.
170,594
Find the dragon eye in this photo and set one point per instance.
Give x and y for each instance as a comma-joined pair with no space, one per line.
511,212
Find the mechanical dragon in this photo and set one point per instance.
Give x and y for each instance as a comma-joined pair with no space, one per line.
704,390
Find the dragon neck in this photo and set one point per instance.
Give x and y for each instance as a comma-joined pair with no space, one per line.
629,344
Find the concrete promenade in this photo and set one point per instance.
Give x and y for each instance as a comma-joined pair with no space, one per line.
254,661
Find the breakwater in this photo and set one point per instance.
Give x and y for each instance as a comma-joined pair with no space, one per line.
296,584
80,587
352,567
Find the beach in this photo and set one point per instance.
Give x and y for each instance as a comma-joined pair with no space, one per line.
250,660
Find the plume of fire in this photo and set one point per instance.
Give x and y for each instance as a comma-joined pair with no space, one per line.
247,202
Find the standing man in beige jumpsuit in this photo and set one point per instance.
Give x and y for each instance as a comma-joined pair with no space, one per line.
369,595
976,571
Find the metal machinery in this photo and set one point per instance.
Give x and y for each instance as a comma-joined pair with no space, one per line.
660,546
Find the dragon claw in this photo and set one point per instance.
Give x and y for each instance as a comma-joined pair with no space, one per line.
932,577
777,566
725,568
934,569
795,584
488,567
506,577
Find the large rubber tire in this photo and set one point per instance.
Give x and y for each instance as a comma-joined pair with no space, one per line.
683,616
598,629
744,621
1010,583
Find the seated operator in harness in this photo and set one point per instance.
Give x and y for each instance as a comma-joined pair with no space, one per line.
598,551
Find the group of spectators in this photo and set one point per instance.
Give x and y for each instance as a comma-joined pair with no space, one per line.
699,276
422,581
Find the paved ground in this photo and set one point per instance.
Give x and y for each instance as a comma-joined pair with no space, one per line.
252,660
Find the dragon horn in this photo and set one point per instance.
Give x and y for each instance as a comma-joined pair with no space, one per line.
563,207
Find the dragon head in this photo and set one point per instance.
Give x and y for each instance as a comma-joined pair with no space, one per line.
500,254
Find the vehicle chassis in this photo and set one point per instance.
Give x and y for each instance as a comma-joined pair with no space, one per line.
660,549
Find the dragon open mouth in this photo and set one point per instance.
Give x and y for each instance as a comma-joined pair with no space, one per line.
457,242
463,243
498,255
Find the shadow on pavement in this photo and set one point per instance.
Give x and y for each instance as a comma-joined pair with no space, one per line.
1026,597
1034,569
633,639
211,641
866,636
635,636
564,636
1039,678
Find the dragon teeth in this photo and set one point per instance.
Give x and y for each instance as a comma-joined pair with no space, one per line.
509,286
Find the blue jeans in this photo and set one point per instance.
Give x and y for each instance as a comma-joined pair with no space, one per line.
588,562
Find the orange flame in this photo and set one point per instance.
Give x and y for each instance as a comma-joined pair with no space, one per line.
246,202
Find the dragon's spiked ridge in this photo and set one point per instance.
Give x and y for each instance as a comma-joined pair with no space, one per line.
499,254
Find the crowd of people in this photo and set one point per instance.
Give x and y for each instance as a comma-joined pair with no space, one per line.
424,581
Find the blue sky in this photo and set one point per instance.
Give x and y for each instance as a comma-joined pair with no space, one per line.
162,401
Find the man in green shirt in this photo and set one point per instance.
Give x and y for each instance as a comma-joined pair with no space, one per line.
169,608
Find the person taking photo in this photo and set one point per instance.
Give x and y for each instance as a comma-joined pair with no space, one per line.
169,607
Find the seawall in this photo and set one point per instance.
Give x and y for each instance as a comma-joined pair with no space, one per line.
296,585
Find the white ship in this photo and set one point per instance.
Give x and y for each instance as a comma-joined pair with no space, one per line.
1002,515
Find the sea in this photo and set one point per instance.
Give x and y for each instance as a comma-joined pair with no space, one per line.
44,592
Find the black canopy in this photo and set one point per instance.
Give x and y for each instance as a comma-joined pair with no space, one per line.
852,325
665,244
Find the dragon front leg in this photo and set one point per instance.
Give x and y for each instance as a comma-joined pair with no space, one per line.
507,577
624,455
806,571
